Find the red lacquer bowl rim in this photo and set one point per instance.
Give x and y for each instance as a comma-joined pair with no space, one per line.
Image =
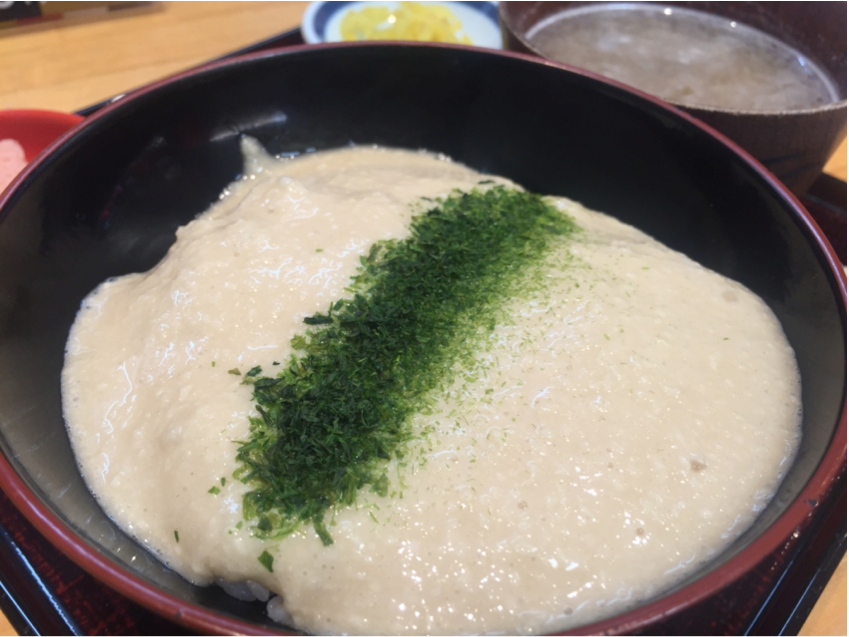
35,129
205,620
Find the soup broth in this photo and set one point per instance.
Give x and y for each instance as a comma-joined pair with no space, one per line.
684,56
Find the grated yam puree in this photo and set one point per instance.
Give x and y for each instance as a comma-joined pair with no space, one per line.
624,425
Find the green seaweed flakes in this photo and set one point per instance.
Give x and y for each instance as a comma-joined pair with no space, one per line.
341,407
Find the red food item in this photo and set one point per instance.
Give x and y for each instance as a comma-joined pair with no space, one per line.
12,161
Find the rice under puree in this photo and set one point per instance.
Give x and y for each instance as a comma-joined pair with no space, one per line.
612,417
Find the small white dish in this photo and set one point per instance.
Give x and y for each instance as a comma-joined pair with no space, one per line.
322,20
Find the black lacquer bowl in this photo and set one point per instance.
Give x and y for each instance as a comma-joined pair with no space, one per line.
108,196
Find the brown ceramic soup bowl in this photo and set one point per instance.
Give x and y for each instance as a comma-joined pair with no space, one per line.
794,145
107,197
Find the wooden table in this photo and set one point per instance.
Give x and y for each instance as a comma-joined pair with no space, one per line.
78,63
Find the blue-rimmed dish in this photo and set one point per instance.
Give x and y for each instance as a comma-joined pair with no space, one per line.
322,21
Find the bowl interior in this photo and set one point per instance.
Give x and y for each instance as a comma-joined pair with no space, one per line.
108,201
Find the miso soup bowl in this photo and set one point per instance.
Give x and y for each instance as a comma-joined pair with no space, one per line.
107,197
795,144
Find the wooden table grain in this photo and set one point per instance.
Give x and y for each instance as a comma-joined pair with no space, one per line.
77,63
